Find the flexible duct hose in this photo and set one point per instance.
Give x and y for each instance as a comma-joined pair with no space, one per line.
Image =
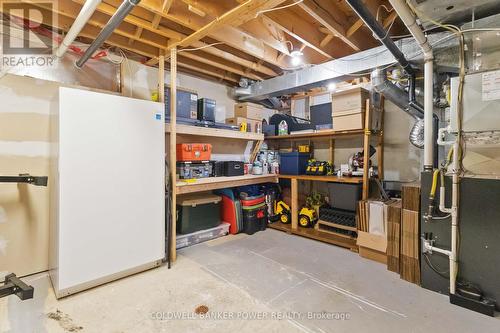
417,134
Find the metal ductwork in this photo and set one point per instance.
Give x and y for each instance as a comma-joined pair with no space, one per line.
340,69
400,98
393,93
115,20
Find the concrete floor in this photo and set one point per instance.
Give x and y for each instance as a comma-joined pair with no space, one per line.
281,278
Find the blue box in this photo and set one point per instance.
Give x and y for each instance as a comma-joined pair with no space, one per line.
293,163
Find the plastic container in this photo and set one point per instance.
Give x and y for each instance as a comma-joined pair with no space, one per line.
197,212
293,163
194,151
201,236
344,196
254,218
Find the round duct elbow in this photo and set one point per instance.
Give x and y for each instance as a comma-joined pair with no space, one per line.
417,134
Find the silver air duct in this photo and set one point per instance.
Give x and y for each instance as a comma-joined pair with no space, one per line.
393,93
115,20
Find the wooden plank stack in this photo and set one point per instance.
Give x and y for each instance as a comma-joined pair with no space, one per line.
393,235
362,216
410,235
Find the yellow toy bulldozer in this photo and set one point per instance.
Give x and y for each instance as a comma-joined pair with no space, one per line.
282,212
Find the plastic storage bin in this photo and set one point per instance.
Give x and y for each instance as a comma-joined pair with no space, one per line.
254,218
344,196
293,163
201,236
197,212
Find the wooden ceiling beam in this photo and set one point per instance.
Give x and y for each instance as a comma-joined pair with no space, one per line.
301,30
325,19
231,36
166,6
109,10
236,16
66,21
327,39
158,41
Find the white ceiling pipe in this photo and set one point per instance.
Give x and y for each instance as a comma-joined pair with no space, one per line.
85,13
410,22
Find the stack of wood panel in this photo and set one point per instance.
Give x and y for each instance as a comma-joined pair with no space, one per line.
362,216
393,234
410,235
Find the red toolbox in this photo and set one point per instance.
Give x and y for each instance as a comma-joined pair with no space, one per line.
194,151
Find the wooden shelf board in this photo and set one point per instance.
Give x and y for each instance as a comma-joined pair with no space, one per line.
215,132
339,226
214,183
350,180
323,134
317,134
330,238
281,226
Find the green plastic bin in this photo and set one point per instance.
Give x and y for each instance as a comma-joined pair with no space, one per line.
197,212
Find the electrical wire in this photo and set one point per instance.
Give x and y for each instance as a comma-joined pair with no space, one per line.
443,274
278,8
199,48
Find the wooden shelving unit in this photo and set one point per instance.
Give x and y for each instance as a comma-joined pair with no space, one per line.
176,132
329,236
209,184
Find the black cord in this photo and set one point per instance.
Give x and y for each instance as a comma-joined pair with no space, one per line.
440,273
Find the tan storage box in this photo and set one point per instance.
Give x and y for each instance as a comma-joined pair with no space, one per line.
372,246
348,109
249,111
348,100
236,121
348,120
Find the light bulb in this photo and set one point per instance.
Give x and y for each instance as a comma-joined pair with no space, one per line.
331,86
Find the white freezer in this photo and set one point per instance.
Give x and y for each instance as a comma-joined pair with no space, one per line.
107,188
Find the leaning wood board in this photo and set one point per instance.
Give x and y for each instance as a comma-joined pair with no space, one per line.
393,235
410,235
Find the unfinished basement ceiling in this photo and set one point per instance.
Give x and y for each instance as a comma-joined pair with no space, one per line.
256,45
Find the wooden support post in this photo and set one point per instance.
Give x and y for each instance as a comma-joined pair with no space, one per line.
173,141
366,148
295,204
332,151
161,77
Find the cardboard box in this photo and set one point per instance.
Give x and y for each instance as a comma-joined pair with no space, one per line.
236,121
348,120
372,246
249,111
349,100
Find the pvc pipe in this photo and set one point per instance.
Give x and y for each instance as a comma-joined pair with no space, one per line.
115,20
454,217
410,22
428,114
442,207
86,12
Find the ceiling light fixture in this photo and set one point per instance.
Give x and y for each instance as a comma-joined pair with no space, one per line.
331,86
